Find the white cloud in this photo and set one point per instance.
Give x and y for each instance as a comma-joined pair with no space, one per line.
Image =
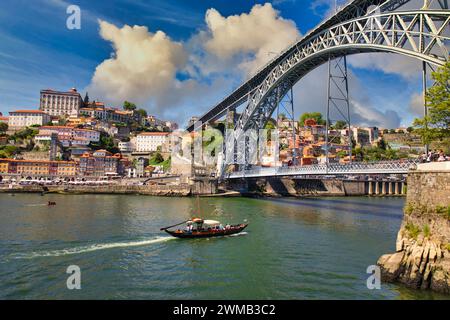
407,68
143,65
256,35
416,105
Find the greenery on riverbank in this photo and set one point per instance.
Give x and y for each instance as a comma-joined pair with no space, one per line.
435,127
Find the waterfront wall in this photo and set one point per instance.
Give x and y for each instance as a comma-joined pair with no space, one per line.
276,186
422,257
203,188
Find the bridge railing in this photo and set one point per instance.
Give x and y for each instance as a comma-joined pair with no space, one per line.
378,167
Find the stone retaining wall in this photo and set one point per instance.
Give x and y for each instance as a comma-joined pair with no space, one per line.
422,257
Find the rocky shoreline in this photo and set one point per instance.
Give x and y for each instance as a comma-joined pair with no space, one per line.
422,257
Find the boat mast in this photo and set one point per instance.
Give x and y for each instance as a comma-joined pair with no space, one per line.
198,206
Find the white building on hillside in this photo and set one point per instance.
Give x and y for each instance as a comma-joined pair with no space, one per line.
60,103
25,118
150,141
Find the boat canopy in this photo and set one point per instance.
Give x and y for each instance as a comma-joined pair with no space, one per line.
211,222
205,222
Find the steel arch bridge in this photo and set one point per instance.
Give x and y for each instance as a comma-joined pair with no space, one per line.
421,34
360,26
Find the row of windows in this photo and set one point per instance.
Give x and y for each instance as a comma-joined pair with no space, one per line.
57,97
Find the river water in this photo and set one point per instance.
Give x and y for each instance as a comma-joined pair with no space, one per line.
317,248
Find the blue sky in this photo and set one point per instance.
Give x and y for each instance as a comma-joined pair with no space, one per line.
37,51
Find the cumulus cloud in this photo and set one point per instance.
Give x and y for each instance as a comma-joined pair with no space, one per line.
257,35
143,65
390,63
416,105
367,115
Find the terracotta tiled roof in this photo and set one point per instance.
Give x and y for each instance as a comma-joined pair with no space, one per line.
28,111
154,134
37,161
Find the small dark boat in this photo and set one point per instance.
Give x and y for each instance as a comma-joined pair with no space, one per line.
199,228
51,203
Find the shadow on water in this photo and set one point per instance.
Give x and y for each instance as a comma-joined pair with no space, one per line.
324,204
358,203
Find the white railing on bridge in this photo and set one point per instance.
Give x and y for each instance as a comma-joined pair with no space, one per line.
380,167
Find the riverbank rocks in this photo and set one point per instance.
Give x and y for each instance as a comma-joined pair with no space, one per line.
422,257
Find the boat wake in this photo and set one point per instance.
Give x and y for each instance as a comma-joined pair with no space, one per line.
37,205
91,248
243,233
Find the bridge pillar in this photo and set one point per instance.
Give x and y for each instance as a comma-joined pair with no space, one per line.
402,185
383,187
377,187
370,191
390,187
396,188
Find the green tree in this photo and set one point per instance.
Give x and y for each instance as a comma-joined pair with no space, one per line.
156,158
312,115
129,106
8,151
382,144
142,112
409,129
340,124
106,142
270,125
3,127
435,126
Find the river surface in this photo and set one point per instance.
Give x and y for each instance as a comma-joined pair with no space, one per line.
317,248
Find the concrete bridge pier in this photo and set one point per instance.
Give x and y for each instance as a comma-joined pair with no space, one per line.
390,188
377,187
370,189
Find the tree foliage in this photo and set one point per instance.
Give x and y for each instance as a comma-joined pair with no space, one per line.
142,112
157,158
3,127
106,142
129,106
340,124
434,127
312,115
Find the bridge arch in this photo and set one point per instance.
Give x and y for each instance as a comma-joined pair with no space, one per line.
420,34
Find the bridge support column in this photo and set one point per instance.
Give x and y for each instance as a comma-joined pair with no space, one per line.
377,187
370,191
396,188
383,187
402,186
390,187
